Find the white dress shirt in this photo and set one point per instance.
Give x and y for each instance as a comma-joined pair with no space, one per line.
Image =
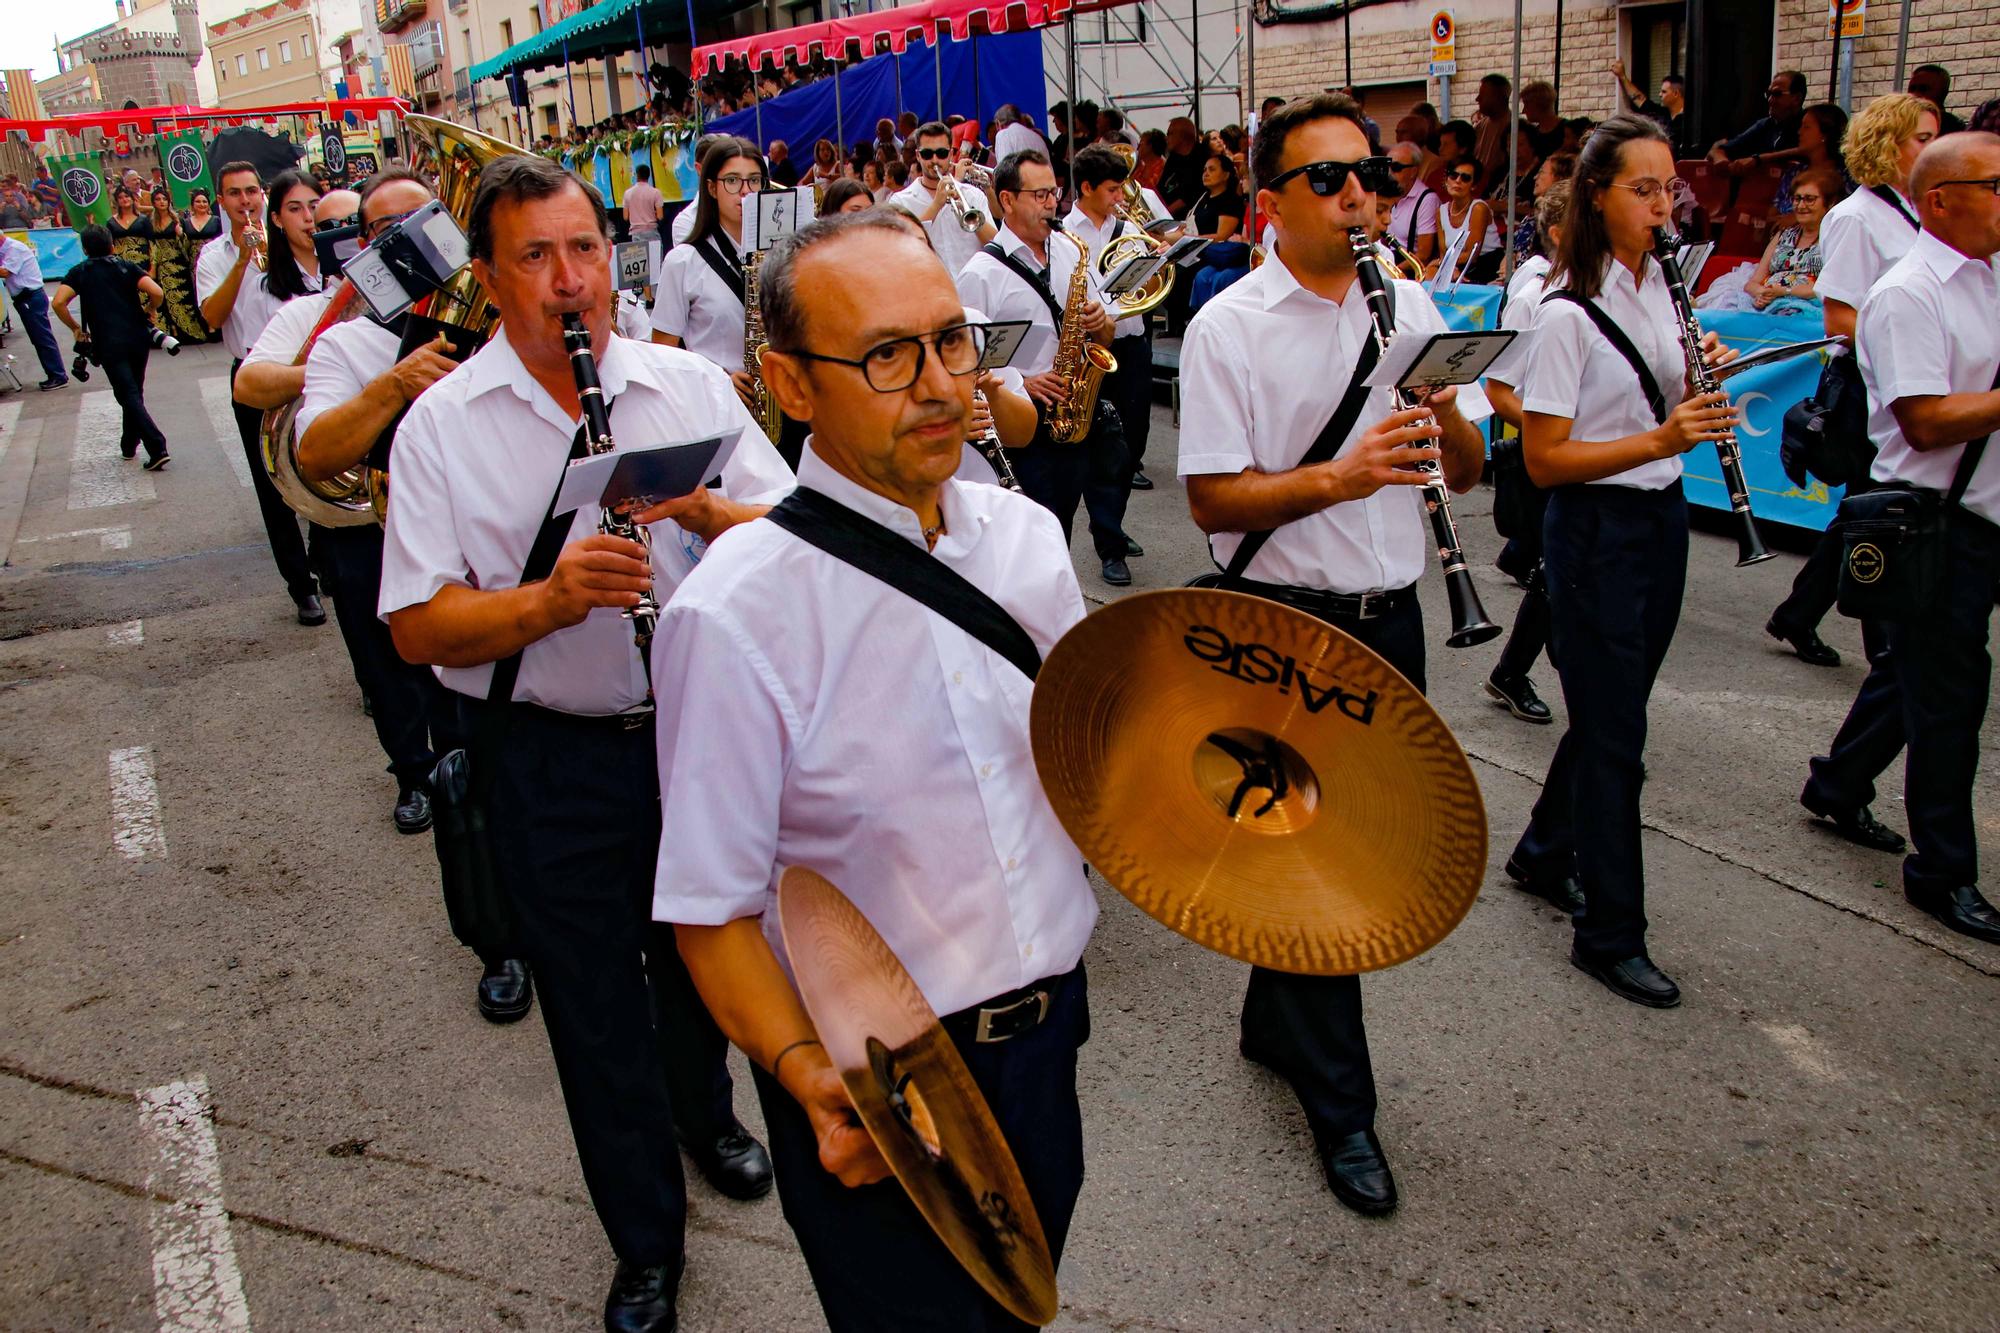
1525,291
344,361
1415,214
990,285
953,243
288,330
254,302
1263,367
694,304
23,265
1574,372
1079,225
811,715
1928,329
1860,238
478,459
683,223
1013,139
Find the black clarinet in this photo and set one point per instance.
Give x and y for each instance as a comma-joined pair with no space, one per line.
1749,546
645,616
1469,624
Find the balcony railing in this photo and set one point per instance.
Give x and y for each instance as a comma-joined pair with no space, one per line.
393,15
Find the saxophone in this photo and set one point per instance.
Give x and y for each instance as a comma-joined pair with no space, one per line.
1083,364
763,406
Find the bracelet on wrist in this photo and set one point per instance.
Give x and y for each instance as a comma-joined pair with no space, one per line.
780,1059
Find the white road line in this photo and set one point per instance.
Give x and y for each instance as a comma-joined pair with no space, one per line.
118,539
71,535
135,805
128,635
196,1285
215,400
98,476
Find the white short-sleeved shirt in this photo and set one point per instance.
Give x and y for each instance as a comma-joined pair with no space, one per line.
1574,372
23,265
1013,139
288,330
478,459
694,304
1264,365
1926,329
1524,299
1860,238
953,243
255,305
990,285
1079,225
682,224
344,361
812,715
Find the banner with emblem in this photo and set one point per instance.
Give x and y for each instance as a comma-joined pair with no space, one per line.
184,162
80,177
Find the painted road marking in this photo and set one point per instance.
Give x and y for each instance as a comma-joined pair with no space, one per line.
135,805
98,476
118,539
130,634
197,1287
215,400
99,533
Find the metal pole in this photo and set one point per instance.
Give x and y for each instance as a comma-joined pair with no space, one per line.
1249,110
1347,40
756,104
1847,74
1833,70
1514,143
1903,42
1194,39
839,120
937,70
1069,97
1558,79
896,56
569,72
697,77
645,85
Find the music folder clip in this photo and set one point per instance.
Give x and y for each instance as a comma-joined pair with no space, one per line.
637,478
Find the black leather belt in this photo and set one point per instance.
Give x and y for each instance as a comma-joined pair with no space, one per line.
1331,605
632,719
1006,1016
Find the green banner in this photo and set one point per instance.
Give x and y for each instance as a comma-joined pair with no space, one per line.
81,179
184,162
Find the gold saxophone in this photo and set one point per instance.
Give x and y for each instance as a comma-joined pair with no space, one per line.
762,405
1082,363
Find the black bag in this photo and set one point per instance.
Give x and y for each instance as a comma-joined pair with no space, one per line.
1826,434
475,901
1518,504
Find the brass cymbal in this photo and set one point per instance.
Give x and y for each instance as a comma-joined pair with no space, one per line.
915,1096
1258,781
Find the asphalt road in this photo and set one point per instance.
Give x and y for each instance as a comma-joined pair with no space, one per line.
232,1020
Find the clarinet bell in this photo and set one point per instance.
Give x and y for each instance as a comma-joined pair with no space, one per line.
1469,623
1750,548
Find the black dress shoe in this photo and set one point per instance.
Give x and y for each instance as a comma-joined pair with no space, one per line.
1811,649
1515,562
1634,978
1141,482
1517,695
310,611
642,1299
1357,1172
413,810
1133,550
1962,909
1117,573
735,1164
1562,891
506,991
1858,826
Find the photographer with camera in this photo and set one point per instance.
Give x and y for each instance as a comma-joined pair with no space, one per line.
119,302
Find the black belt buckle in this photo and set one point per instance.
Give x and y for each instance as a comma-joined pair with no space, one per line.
1371,605
1004,1021
634,719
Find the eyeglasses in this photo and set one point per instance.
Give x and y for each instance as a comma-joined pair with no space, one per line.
740,184
1798,198
335,224
1045,196
1992,184
1647,189
1327,178
928,153
379,225
893,366
1464,177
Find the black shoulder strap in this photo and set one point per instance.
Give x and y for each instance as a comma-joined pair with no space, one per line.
1036,280
1968,462
1895,201
728,270
1331,436
1416,211
881,554
1616,337
541,559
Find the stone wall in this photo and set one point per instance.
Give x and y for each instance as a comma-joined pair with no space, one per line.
1964,37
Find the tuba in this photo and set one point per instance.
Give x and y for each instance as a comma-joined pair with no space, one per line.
344,501
1081,362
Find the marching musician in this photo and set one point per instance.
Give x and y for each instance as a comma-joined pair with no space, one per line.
1930,358
1021,275
1863,237
574,811
699,303
813,714
1266,364
268,379
938,197
229,284
1615,535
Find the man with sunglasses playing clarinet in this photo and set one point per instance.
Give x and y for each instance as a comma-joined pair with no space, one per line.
1271,382
929,196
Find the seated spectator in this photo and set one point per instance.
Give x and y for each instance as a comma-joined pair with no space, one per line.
1782,283
1771,140
1414,218
1152,159
1529,235
845,196
1933,84
1820,131
1467,221
1112,129
899,172
1454,143
825,169
784,171
1218,213
873,181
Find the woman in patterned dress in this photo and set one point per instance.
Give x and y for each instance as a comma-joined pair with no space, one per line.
171,256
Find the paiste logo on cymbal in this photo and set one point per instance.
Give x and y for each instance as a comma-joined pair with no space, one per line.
1865,562
1261,664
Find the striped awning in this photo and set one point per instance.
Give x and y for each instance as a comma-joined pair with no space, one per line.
610,27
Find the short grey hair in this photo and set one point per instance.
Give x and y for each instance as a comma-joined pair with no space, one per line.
778,287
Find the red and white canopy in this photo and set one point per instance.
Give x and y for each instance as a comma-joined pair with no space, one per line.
863,35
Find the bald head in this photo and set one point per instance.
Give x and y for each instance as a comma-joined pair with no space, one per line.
1971,154
1953,182
336,206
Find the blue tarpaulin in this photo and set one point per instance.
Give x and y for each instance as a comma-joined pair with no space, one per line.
57,249
981,75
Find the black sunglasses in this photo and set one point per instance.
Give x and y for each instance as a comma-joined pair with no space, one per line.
1376,173
933,152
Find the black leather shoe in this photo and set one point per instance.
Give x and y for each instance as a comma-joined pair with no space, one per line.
1133,550
1117,573
1634,978
1962,909
735,1164
413,810
1141,482
1811,649
1515,563
310,611
155,464
1357,1172
506,991
1858,826
1562,891
1517,695
642,1299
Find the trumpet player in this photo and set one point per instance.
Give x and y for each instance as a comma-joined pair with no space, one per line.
229,284
956,215
1272,383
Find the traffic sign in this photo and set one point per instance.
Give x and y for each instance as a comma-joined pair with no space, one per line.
1444,43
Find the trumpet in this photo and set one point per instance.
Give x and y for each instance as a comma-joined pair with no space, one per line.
979,178
256,246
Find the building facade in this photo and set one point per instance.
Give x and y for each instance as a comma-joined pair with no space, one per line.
482,29
147,56
267,56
